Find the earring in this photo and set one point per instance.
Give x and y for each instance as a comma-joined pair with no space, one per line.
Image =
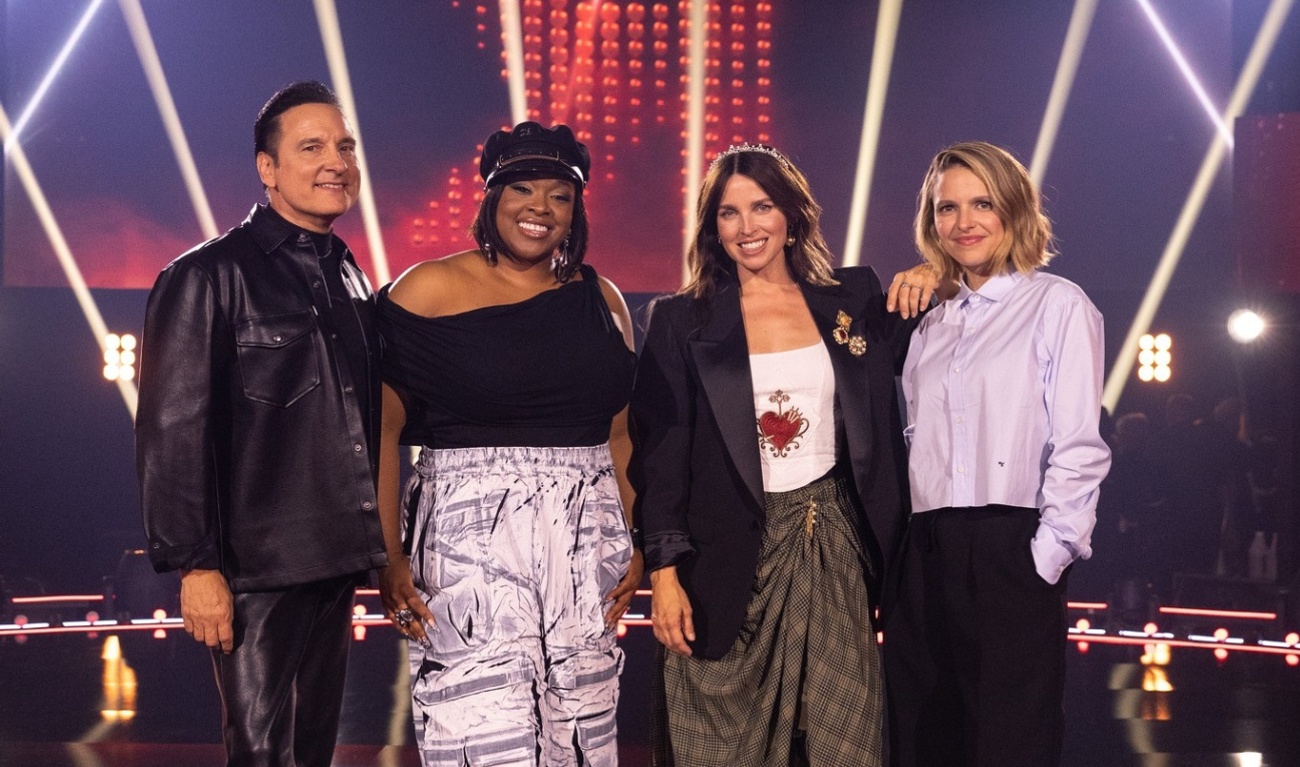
560,262
789,241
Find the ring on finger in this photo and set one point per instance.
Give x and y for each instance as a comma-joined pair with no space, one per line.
404,617
905,284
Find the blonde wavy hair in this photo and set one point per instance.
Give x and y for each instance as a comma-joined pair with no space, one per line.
1027,239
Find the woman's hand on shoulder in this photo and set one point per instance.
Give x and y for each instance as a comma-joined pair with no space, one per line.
670,611
910,292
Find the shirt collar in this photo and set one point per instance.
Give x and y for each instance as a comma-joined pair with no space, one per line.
270,230
996,289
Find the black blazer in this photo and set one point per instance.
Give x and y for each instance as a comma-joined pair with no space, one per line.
696,463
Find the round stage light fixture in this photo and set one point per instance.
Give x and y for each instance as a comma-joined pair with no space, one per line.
1155,355
1245,326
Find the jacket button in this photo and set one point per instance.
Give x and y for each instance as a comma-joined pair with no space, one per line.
347,389
367,506
357,448
157,545
276,338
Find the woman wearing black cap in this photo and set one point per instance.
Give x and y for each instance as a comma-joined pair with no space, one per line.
511,558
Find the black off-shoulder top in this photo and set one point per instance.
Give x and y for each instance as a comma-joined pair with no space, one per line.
550,371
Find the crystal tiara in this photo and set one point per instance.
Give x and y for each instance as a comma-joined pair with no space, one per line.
748,147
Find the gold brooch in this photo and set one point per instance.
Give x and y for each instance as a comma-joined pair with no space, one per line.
857,344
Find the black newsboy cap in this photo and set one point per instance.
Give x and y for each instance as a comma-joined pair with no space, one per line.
531,151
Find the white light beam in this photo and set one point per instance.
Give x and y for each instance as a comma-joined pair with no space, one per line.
1220,124
1076,36
327,17
512,34
882,57
162,95
53,72
694,125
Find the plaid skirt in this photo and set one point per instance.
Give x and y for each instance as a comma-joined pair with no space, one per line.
802,683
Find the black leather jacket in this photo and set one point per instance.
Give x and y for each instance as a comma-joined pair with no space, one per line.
252,451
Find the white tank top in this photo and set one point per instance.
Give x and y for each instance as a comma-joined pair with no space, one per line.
794,415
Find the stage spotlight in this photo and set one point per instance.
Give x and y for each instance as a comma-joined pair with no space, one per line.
1245,326
1154,357
119,357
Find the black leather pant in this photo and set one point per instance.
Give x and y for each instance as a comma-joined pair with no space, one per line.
282,686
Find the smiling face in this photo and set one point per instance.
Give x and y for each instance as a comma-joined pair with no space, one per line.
312,178
967,224
533,217
752,229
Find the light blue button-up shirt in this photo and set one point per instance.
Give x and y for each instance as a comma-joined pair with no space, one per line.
1003,391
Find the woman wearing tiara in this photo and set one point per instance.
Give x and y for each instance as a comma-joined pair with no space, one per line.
769,480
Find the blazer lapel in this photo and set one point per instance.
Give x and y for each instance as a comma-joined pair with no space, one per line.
721,356
851,385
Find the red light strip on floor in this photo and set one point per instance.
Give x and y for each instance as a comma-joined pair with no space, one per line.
1243,614
1087,605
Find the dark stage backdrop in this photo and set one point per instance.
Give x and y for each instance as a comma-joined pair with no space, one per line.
428,81
429,86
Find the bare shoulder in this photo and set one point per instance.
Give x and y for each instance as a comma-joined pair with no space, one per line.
612,295
426,288
617,308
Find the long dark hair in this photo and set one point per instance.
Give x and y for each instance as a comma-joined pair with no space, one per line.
808,258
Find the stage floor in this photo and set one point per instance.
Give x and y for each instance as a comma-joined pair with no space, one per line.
62,702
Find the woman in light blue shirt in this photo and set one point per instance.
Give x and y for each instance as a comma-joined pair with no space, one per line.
1003,391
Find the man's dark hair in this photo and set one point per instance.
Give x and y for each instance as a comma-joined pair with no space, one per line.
266,131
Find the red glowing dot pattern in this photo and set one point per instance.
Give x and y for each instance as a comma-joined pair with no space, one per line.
615,73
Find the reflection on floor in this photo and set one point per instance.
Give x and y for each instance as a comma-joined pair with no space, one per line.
132,699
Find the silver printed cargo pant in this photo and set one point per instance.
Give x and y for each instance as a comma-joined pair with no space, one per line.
514,549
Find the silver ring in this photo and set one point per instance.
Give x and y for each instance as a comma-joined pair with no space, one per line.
404,617
905,284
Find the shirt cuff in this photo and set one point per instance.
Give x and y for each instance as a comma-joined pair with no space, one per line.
666,549
1051,557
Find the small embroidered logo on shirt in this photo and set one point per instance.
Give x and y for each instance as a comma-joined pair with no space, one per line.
779,432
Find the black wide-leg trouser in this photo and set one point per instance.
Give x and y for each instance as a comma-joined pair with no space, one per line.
282,686
974,649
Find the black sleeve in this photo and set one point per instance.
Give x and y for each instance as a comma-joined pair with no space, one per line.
183,362
662,421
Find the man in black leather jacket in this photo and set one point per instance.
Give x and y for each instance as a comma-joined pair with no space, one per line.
258,411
